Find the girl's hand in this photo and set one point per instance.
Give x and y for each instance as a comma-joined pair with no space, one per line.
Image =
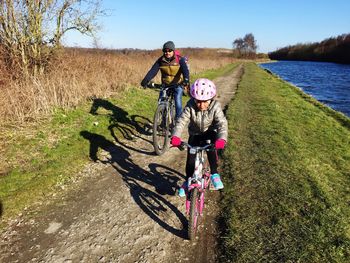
220,144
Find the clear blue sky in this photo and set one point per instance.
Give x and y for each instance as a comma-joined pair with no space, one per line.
147,24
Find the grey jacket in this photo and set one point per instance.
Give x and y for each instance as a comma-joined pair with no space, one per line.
201,121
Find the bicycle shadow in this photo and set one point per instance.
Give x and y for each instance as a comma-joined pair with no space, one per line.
120,120
165,174
151,202
146,152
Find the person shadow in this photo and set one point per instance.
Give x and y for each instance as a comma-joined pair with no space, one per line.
152,202
129,127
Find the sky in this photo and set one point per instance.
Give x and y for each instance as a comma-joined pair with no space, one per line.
148,24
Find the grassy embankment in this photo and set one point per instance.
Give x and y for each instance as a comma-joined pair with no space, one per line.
287,176
48,156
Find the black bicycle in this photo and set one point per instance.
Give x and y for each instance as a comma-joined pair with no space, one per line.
164,118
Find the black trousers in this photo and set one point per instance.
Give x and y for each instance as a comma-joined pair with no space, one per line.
200,140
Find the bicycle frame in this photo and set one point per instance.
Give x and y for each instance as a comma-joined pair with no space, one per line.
196,187
166,97
201,176
166,93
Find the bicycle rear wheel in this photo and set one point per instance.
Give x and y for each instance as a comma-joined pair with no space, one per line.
161,130
172,117
194,214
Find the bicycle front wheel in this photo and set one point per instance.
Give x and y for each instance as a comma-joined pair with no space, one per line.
161,130
194,214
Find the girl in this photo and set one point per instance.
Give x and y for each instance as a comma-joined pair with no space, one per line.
206,121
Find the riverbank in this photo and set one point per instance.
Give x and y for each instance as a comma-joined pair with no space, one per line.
286,175
326,82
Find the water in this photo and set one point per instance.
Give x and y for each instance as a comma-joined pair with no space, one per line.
329,83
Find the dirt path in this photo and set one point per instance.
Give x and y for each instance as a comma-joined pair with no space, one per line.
128,211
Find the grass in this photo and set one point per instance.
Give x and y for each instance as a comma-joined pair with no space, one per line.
47,156
287,176
59,148
214,73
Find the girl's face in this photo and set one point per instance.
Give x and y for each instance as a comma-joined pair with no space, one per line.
203,105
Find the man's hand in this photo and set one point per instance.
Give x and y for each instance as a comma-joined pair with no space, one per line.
185,83
150,85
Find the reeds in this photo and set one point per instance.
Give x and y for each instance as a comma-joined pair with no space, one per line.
82,74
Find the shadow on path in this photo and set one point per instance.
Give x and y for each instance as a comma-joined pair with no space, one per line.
162,178
119,121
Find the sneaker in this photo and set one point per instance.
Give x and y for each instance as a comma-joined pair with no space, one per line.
216,181
182,192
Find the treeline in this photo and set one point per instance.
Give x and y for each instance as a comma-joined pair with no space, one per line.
184,51
334,49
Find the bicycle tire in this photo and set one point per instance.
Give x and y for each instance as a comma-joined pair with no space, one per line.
194,214
172,116
161,130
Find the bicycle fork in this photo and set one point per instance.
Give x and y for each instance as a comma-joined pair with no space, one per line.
200,180
201,186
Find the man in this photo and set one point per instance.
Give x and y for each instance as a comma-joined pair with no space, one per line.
174,72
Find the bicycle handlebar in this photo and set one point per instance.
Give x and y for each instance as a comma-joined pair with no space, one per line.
162,86
207,147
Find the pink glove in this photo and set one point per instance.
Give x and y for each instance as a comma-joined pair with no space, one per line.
220,144
175,141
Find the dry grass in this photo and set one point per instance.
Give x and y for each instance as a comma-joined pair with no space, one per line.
81,74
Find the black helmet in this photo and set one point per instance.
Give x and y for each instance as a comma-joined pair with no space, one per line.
169,45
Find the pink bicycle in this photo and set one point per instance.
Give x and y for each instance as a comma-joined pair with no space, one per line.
197,184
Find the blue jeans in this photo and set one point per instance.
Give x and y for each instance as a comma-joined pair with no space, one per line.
178,91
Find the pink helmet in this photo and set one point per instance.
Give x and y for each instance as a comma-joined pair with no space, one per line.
203,89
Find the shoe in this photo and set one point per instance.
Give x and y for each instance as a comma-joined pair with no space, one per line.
182,191
216,181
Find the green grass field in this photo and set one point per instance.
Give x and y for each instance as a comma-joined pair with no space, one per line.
286,175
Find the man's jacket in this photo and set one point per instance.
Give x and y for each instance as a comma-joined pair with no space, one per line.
172,71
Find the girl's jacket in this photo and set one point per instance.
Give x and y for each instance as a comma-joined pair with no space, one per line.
201,121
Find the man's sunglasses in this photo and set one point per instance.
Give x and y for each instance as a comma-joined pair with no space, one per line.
167,50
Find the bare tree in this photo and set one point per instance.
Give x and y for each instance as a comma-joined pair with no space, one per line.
245,47
250,44
238,47
31,30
